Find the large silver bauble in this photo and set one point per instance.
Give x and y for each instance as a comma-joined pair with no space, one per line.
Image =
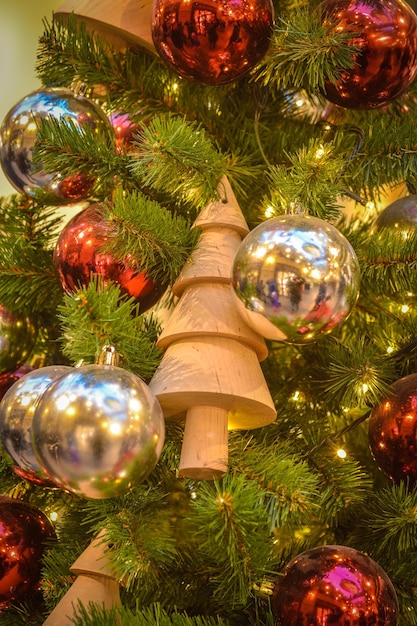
19,132
295,277
98,430
17,409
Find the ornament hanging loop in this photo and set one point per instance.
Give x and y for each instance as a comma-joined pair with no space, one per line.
80,88
108,356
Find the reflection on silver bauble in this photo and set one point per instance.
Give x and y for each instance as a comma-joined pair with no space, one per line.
17,409
295,277
18,135
98,430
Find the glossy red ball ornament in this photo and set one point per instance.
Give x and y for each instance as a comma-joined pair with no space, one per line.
334,585
78,256
385,31
213,42
392,432
24,529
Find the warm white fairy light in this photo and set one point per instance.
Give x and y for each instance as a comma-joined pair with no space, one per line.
405,308
53,516
269,212
342,454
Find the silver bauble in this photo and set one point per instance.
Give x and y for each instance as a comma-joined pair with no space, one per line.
400,215
18,135
98,430
295,277
17,340
17,409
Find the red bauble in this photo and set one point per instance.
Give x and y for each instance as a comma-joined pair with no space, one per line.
23,533
334,585
212,43
392,432
78,256
386,63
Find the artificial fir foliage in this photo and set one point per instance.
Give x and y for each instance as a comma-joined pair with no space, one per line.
188,552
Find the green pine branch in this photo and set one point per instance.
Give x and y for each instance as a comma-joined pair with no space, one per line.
305,53
97,316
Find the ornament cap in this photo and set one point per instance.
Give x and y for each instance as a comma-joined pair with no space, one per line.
108,356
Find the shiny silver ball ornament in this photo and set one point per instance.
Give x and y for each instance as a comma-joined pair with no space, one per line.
399,216
295,277
17,339
97,431
17,409
18,135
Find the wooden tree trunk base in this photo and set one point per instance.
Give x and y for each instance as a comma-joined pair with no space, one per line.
204,453
99,590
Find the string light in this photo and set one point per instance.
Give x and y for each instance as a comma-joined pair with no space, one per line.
342,454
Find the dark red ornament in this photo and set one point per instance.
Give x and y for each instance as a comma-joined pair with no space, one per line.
24,529
392,432
212,43
334,585
78,256
386,64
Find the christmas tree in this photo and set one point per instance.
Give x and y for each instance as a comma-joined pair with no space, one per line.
208,317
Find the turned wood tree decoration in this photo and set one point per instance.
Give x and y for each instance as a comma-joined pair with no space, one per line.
210,374
122,23
94,584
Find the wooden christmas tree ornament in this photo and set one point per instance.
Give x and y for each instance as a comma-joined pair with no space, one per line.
122,23
94,584
210,374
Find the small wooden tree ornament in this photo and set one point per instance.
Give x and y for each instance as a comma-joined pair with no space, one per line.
122,23
94,584
210,373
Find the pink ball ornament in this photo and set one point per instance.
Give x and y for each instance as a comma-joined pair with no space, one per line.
334,585
124,130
